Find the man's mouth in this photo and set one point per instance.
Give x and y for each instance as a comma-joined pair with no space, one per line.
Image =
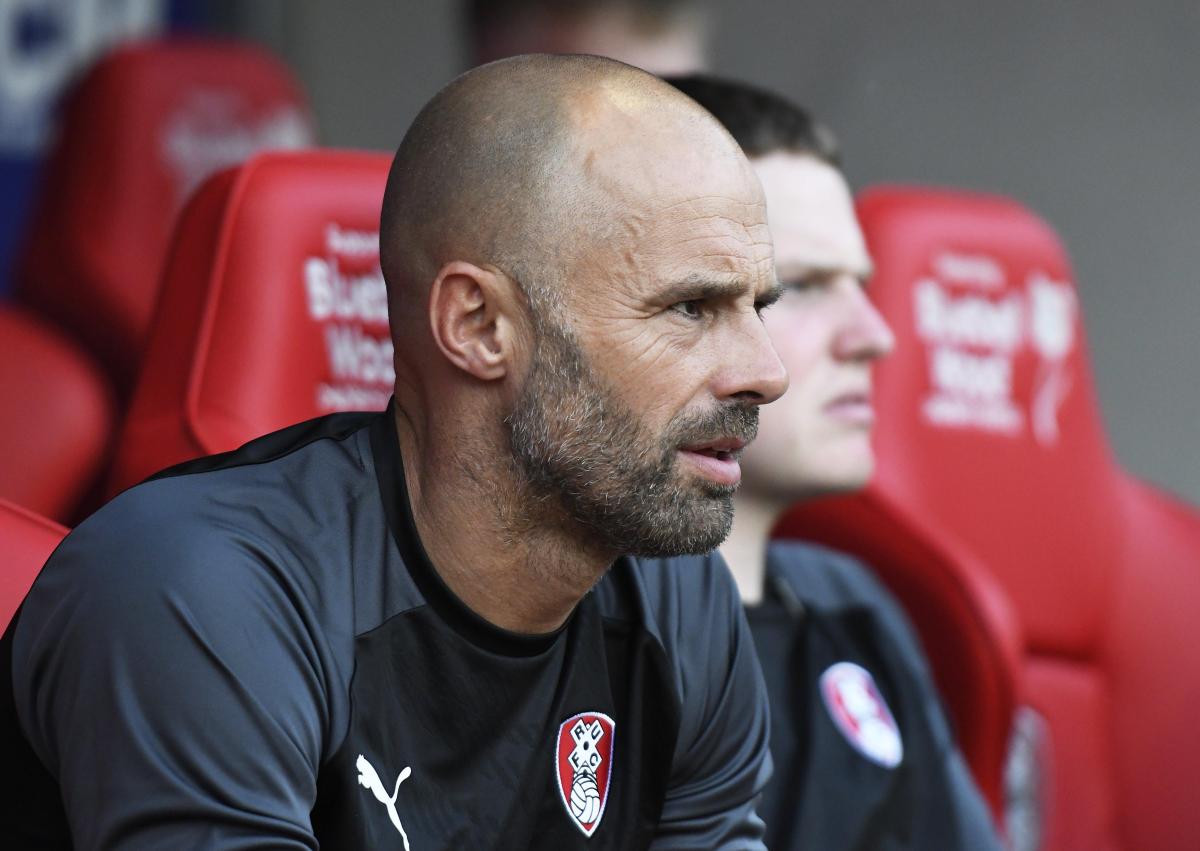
717,459
853,409
724,448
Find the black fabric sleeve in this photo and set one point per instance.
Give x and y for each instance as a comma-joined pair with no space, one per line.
166,675
834,580
975,827
722,760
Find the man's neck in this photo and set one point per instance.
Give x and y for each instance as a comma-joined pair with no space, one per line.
745,550
516,570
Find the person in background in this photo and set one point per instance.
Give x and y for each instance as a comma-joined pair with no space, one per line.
864,757
659,36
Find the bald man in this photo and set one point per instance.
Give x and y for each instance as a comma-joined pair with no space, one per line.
461,623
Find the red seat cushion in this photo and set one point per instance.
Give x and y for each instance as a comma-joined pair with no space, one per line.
139,133
1154,672
57,421
28,539
274,310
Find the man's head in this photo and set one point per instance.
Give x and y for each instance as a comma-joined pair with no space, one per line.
816,439
576,256
660,36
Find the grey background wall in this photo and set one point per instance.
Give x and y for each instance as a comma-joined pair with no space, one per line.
1086,111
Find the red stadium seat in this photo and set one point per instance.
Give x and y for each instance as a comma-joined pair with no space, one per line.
27,541
57,421
1154,676
139,133
993,459
273,310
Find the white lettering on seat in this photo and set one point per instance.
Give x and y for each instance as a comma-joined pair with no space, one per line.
973,270
345,294
335,295
974,342
352,243
357,356
217,128
968,320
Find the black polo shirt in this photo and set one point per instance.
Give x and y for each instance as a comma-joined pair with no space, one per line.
253,650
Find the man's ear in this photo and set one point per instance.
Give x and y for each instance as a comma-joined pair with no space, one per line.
471,317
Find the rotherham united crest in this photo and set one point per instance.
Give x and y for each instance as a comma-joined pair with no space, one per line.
583,762
861,713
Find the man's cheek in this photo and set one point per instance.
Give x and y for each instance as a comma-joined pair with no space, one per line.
644,358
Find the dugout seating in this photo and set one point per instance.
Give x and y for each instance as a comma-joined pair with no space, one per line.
139,132
57,423
996,482
273,310
26,539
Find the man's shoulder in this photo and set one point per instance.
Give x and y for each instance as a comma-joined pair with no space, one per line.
688,605
264,483
825,578
721,761
217,526
672,594
330,438
837,584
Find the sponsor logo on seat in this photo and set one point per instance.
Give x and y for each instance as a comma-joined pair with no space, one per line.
998,355
215,128
345,294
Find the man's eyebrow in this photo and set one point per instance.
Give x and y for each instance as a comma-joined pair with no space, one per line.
864,274
698,287
695,287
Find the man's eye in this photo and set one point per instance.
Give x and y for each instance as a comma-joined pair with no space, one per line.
691,309
805,285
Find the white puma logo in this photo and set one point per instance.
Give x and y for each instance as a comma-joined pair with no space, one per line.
369,779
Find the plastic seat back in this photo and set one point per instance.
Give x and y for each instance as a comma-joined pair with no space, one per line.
28,540
1155,672
57,421
139,133
273,311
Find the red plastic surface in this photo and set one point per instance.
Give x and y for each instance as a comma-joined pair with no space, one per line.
982,300
1153,665
273,310
28,539
58,417
139,133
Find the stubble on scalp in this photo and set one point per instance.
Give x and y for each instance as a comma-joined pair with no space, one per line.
487,174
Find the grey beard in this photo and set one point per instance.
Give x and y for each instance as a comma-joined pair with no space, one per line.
577,446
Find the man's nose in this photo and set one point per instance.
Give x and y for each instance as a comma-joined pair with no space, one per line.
863,333
754,373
